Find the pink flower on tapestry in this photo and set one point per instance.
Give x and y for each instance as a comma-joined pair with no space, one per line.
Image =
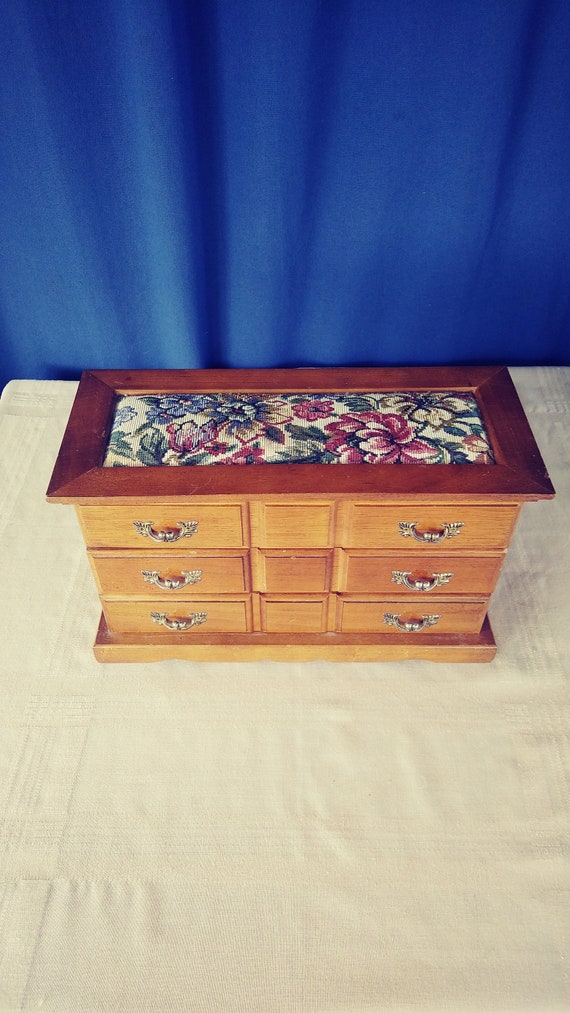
377,438
344,453
315,409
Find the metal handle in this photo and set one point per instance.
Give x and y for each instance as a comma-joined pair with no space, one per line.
421,583
413,626
179,624
184,530
172,583
407,529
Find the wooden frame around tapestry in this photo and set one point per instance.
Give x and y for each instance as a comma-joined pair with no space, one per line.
518,469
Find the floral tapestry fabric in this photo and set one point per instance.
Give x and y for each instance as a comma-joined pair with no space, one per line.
403,427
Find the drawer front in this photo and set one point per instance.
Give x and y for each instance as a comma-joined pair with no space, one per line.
359,570
284,524
175,576
419,528
164,527
283,571
188,618
423,617
282,614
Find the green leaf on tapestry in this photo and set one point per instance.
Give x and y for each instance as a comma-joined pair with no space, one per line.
303,455
358,403
454,431
152,448
316,457
304,434
450,450
140,429
201,458
119,445
275,434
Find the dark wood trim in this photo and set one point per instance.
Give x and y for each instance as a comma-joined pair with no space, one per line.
85,438
510,433
519,473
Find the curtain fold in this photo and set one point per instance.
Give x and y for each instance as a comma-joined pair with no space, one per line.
214,183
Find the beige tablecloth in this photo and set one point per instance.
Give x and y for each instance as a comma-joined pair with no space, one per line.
336,838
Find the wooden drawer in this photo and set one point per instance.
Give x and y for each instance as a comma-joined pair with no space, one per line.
163,526
291,614
289,572
419,527
232,614
136,574
366,615
360,570
286,524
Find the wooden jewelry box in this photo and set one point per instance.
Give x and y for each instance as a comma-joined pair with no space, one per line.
342,514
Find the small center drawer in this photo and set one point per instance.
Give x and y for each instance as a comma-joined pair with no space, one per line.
288,614
285,524
166,527
137,574
290,571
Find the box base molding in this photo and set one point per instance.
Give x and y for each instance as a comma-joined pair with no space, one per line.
246,647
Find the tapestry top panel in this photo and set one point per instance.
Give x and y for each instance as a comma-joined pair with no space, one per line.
403,427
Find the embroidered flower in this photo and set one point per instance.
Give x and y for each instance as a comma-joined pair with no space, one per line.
188,437
377,438
432,409
123,415
248,415
318,408
163,409
435,417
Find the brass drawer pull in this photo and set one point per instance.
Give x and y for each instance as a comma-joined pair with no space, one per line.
185,529
414,626
172,583
422,583
407,529
196,619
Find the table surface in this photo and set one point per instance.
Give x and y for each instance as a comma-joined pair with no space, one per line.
279,837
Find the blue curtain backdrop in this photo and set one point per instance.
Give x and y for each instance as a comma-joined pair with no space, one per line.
283,182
